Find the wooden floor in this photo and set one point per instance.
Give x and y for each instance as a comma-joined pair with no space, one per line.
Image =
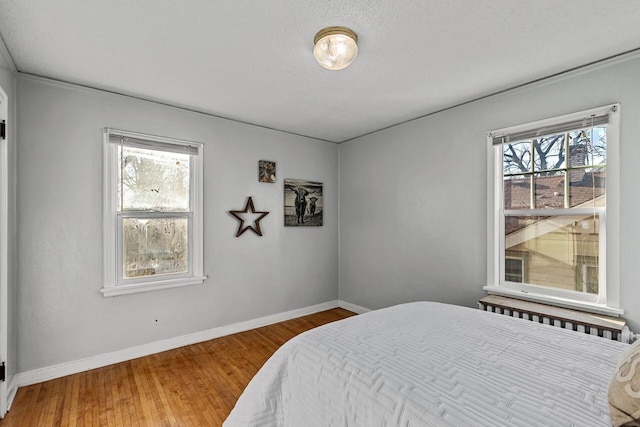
195,385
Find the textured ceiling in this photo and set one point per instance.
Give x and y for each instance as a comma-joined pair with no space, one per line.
252,60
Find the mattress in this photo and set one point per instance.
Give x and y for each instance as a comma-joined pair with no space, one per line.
433,364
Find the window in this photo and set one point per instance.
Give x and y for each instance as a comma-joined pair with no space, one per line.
515,266
587,274
553,212
153,213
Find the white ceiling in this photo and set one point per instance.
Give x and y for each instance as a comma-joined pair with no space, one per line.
252,60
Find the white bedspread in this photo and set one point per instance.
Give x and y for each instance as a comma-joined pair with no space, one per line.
431,364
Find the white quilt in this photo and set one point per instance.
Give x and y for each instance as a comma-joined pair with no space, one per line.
432,364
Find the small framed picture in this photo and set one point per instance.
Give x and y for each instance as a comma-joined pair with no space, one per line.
303,203
266,171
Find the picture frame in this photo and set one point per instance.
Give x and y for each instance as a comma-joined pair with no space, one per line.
266,171
303,203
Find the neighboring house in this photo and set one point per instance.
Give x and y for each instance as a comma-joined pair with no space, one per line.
533,253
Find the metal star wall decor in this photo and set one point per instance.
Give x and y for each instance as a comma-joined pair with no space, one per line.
249,210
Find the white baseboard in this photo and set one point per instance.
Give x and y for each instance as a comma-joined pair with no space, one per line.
12,389
68,368
352,307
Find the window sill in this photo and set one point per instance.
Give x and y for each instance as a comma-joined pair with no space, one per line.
556,301
111,291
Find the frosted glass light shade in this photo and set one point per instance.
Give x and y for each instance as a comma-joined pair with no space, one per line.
335,47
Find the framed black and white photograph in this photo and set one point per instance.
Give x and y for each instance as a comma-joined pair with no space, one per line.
303,203
266,171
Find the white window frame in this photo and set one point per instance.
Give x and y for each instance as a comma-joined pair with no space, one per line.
608,300
114,283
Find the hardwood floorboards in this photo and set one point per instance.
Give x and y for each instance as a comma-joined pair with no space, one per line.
196,385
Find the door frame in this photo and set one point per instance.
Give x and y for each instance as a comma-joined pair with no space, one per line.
4,247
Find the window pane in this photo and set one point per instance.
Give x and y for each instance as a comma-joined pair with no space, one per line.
549,190
585,171
548,153
556,247
153,180
517,192
588,187
154,246
516,157
588,147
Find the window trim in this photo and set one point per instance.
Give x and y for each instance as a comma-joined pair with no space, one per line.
610,303
111,219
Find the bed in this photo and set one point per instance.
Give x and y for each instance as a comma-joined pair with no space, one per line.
433,364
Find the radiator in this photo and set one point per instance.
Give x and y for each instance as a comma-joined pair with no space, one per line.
613,328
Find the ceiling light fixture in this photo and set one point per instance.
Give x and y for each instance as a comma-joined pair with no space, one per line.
335,47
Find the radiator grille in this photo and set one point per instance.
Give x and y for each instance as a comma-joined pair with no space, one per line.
603,326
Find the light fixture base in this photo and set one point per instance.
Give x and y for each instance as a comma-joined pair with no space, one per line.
335,31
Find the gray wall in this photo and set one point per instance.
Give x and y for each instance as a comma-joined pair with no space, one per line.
412,213
413,206
61,314
8,84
